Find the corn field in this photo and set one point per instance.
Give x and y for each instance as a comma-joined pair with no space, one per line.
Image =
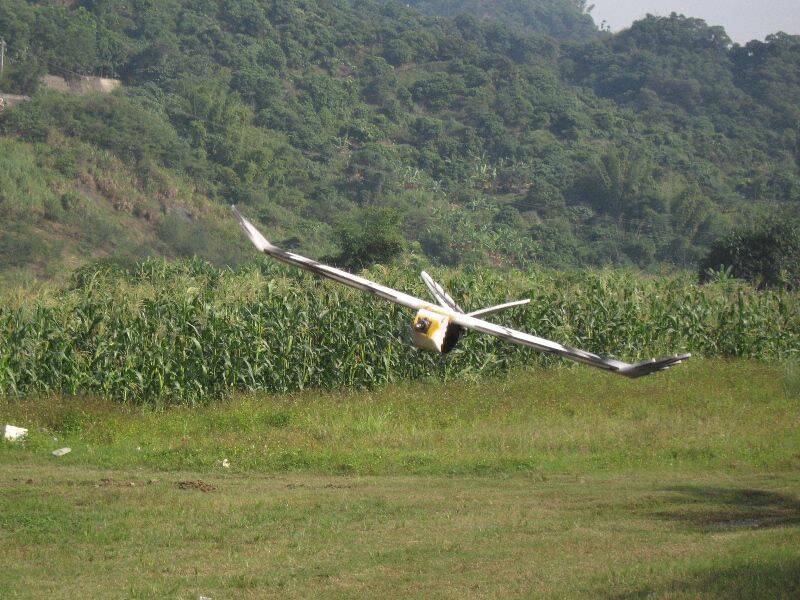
165,332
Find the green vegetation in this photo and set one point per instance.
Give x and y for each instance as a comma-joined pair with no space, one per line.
491,144
181,332
557,18
63,205
721,416
768,256
373,237
550,483
551,143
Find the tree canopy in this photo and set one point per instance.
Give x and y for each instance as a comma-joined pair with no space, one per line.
505,132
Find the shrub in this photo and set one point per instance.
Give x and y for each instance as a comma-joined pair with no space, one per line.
767,256
371,236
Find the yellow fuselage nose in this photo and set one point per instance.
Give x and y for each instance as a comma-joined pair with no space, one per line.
428,330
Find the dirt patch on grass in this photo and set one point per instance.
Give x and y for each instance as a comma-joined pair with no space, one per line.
326,486
196,485
111,482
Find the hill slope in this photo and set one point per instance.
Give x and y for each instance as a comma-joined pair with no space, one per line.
562,19
485,143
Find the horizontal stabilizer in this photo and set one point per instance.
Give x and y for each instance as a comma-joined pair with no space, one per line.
495,309
647,367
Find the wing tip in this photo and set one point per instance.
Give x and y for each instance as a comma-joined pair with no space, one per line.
258,240
653,365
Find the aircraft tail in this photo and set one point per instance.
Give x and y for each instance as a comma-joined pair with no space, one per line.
438,292
496,309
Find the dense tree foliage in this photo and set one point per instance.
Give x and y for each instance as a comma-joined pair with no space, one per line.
552,142
768,256
373,237
558,18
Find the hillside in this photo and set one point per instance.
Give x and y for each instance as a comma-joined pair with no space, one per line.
473,141
562,19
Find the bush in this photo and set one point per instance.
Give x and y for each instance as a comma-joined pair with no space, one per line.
768,256
119,124
372,236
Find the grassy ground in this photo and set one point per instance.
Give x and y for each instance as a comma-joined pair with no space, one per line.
558,484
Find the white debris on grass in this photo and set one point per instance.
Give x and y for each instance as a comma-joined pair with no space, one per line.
224,463
13,433
61,452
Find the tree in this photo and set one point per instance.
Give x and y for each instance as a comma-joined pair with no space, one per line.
768,256
371,236
66,39
618,181
634,147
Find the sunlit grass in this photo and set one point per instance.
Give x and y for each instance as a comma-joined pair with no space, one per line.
72,531
720,414
791,378
562,483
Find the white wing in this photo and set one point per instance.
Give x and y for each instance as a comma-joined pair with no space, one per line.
344,277
456,316
609,364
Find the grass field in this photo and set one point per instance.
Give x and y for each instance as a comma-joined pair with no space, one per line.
562,483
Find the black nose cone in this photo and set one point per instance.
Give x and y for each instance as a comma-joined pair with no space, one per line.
422,325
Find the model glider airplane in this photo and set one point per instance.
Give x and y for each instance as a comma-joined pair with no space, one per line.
438,327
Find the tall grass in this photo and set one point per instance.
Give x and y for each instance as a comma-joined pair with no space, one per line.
182,332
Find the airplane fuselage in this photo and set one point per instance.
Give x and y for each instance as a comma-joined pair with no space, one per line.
434,331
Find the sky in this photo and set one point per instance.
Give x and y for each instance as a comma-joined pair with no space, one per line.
744,20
